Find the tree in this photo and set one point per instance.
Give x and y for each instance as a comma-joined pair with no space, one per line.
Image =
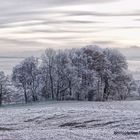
89,73
25,76
4,83
62,84
98,63
120,79
48,67
20,80
32,75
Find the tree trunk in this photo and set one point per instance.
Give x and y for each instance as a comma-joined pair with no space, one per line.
106,92
90,95
25,96
57,92
78,96
51,82
0,99
0,95
70,88
34,97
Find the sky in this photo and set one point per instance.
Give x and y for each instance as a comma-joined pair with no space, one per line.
32,25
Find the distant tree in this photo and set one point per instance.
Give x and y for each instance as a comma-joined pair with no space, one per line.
26,76
48,67
4,90
62,83
89,73
98,63
119,78
20,80
76,71
32,73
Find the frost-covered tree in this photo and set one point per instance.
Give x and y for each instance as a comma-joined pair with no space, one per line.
85,78
48,67
76,68
31,68
62,75
98,63
4,87
89,73
120,79
26,77
20,80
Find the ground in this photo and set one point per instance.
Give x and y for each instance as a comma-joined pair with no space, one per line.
71,121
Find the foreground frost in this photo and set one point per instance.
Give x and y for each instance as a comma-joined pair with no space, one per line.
71,121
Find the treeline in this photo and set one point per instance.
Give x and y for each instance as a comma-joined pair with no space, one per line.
89,73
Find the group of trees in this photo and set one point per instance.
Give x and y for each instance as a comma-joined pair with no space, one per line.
89,73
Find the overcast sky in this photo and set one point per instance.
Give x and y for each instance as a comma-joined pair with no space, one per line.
30,25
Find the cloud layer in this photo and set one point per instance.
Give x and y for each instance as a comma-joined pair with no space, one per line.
38,24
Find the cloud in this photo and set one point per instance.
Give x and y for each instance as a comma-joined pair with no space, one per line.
23,10
21,43
45,22
137,19
50,2
14,6
128,27
104,42
101,14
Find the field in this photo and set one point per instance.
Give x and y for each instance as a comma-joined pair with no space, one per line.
71,121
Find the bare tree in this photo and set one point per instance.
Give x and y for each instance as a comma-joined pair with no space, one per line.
4,83
25,76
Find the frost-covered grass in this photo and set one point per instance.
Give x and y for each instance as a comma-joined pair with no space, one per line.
71,121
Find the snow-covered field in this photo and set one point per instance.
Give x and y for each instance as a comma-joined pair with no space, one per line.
71,121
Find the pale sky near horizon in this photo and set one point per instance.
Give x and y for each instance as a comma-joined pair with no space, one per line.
38,24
